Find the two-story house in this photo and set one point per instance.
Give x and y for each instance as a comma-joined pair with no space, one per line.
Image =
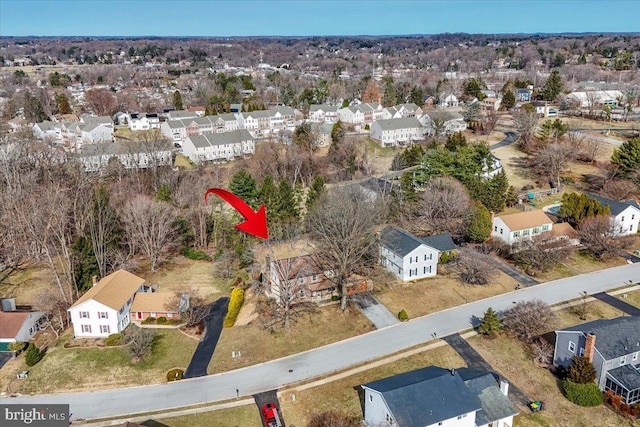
397,132
218,146
613,346
142,121
132,155
519,226
407,256
624,216
321,113
402,110
105,308
452,122
434,396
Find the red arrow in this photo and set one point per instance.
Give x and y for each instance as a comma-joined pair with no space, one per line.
256,222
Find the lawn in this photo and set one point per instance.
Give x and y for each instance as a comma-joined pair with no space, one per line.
26,285
438,293
632,298
578,263
83,369
593,310
245,416
184,162
255,344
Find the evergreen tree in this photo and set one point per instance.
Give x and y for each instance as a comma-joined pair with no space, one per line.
337,132
177,100
63,103
416,95
627,158
244,186
286,204
315,191
33,355
490,323
553,129
84,261
473,88
33,109
455,140
581,370
390,95
268,193
553,86
478,225
576,207
508,100
470,111
164,193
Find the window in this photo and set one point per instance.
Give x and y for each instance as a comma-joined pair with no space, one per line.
525,232
371,398
424,270
104,329
425,257
536,230
623,359
635,356
545,227
516,234
501,231
572,347
581,352
86,328
314,277
633,216
495,228
622,220
103,315
84,314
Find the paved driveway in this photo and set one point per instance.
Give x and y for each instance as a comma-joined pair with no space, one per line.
619,304
262,399
323,360
5,356
213,324
375,311
516,274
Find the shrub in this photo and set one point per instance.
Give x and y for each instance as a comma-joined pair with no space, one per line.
490,323
235,304
195,254
175,374
403,316
581,370
444,258
33,355
149,321
335,297
16,346
162,320
582,394
114,339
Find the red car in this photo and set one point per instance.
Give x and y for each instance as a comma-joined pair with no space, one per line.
271,416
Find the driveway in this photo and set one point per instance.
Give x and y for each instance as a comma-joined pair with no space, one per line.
5,356
262,399
323,360
376,312
629,256
510,138
213,327
521,277
623,306
475,361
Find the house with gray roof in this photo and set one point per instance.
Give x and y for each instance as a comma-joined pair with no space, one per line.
222,146
130,155
613,346
399,111
452,122
442,242
321,113
397,132
406,256
434,396
624,215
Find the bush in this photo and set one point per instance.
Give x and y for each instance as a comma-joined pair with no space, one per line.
149,321
195,254
335,297
162,320
444,258
581,370
235,304
582,394
114,339
403,316
16,346
175,374
490,323
33,355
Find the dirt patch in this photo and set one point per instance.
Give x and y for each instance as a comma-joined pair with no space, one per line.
247,312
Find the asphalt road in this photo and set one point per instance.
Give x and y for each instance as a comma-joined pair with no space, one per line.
324,360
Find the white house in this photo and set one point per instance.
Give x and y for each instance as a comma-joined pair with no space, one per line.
323,113
397,132
448,101
48,130
402,110
624,216
218,146
434,396
105,308
452,122
361,114
17,325
141,121
520,226
406,256
131,155
596,98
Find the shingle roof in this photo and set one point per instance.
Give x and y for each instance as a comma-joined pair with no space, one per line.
426,396
615,207
615,337
401,123
113,290
441,242
523,220
213,139
626,375
114,148
11,322
323,107
399,241
380,186
495,405
155,301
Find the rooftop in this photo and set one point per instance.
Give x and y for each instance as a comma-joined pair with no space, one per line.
113,290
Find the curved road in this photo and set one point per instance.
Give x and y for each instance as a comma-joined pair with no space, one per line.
323,360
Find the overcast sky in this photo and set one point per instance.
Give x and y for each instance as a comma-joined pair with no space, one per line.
311,17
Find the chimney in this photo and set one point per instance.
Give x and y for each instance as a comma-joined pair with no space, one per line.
590,346
453,371
504,387
94,280
8,304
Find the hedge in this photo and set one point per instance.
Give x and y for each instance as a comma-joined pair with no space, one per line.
582,394
235,304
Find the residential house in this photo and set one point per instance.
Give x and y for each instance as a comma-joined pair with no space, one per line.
142,121
443,243
304,277
543,109
490,104
491,167
402,110
131,155
453,122
263,123
17,324
407,256
519,226
624,216
379,187
613,346
158,304
596,99
523,95
198,109
181,115
397,132
361,115
488,93
48,130
321,113
448,101
105,308
223,146
434,396
322,133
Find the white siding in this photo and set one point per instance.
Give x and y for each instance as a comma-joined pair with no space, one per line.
90,327
420,263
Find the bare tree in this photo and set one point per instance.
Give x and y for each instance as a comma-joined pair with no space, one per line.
149,226
525,123
56,317
332,419
542,351
549,161
598,235
102,102
140,343
445,205
489,120
528,319
342,224
473,268
539,253
619,189
103,227
197,309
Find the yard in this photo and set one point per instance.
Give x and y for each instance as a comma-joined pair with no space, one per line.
83,369
246,415
578,263
632,298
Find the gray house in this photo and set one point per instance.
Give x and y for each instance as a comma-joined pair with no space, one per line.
613,346
435,396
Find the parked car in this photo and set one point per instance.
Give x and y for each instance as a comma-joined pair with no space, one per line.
271,416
